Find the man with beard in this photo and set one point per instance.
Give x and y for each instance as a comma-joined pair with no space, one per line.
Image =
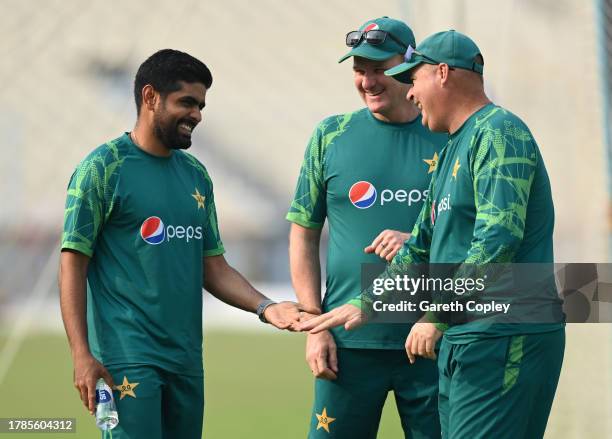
140,240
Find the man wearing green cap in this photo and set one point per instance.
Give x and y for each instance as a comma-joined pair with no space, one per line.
489,202
367,172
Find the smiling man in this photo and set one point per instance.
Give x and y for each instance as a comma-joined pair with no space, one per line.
489,202
140,240
367,173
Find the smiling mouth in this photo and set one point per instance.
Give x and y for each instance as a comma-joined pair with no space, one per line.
374,94
186,127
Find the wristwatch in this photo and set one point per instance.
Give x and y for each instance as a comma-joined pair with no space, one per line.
262,307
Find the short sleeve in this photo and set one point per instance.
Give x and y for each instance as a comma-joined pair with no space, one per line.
308,207
212,238
89,201
212,244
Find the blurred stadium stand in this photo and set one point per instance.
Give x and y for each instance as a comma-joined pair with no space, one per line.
67,68
69,65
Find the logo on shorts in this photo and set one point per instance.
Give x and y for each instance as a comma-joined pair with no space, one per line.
324,420
153,231
362,194
126,388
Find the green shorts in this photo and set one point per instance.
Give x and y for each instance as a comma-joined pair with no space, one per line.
350,406
155,404
499,387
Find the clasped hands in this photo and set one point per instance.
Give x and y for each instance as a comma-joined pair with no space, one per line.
421,340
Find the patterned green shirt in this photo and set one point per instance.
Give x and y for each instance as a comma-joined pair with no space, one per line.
489,202
146,222
363,176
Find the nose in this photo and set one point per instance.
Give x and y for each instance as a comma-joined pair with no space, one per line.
368,82
196,114
410,94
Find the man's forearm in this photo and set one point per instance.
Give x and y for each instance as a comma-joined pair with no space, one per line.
305,265
73,300
229,286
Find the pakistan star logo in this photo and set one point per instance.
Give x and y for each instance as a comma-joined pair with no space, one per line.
126,388
199,198
324,420
432,162
456,168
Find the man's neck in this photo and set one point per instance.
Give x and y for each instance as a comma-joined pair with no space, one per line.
464,110
144,138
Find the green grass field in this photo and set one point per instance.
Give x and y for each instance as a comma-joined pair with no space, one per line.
257,386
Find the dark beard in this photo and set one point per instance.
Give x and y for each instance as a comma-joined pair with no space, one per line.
168,134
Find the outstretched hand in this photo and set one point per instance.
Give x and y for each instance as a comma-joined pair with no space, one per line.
284,315
348,315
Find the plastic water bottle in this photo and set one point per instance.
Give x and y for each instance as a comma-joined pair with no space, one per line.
106,412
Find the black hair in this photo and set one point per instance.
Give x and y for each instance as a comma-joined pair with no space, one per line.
165,68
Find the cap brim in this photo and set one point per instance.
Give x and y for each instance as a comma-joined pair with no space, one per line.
370,52
401,72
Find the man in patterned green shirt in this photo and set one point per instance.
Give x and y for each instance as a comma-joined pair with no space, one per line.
366,173
140,240
489,202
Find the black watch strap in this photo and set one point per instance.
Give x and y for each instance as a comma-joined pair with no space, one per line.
262,307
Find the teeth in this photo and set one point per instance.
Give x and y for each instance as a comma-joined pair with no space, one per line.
187,127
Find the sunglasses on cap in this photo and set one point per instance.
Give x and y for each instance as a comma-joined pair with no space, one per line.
410,52
374,37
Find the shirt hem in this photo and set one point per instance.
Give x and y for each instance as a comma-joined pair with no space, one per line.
197,372
471,337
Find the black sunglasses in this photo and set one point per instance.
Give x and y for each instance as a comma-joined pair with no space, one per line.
374,37
422,55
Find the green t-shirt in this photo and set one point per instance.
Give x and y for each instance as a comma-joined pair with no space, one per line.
146,222
364,176
489,202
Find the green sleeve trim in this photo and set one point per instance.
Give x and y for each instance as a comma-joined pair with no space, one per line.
364,304
214,252
442,327
77,247
356,302
299,219
431,317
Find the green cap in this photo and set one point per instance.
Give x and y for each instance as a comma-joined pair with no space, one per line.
449,47
389,48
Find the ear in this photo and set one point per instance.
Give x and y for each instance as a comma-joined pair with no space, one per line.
442,72
149,97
